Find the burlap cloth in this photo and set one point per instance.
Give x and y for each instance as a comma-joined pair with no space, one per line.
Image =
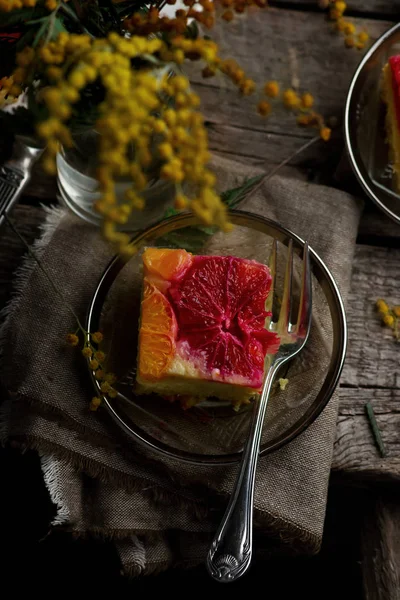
159,512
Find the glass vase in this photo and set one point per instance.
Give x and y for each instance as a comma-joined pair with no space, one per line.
79,188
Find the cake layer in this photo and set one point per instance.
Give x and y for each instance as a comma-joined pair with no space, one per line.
198,388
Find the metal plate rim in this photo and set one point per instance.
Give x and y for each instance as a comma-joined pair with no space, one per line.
349,134
335,368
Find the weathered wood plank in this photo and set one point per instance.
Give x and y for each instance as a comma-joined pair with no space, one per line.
371,372
373,355
296,48
285,45
266,148
380,547
355,451
373,7
377,229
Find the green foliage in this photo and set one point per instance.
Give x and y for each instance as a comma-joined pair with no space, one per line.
15,17
233,196
193,239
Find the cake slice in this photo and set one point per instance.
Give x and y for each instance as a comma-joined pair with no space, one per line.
391,96
202,327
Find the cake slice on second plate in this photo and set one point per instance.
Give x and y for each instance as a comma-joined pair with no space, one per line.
391,96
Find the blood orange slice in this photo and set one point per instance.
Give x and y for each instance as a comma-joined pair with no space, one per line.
219,304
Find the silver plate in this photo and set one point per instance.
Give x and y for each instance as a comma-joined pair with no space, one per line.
364,126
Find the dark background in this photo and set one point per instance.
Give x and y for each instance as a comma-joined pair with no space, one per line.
37,560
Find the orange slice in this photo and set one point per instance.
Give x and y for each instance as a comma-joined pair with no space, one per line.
148,288
166,263
156,352
157,314
157,333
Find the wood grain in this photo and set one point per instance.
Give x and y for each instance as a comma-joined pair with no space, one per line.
380,547
371,372
355,452
373,355
267,148
292,47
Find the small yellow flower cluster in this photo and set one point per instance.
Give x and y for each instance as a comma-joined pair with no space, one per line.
7,88
10,87
9,5
272,89
352,39
60,97
390,316
152,23
291,100
72,339
239,7
231,68
96,359
300,105
202,11
134,122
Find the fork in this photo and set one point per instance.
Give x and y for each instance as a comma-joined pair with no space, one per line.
231,550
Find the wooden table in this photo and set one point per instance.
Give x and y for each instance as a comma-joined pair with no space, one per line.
294,43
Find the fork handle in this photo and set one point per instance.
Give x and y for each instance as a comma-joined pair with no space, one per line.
231,550
15,174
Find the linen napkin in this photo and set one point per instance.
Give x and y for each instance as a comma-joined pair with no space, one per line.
160,512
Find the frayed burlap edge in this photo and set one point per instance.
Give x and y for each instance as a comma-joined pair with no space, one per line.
270,524
287,530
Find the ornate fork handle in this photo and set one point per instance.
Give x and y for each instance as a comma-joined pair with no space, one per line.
15,173
231,550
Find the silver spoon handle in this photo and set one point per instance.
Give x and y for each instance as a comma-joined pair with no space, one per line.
230,553
15,174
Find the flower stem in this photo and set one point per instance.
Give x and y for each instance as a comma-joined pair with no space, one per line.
375,429
273,171
78,20
35,257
